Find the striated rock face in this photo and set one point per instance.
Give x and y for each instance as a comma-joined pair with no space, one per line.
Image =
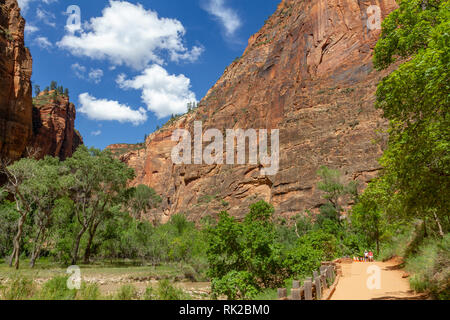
15,85
53,126
47,126
308,73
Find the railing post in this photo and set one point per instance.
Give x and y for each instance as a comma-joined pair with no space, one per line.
295,284
282,293
296,294
318,288
330,273
315,274
323,277
308,289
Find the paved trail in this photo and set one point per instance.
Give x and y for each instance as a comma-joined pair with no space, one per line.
353,283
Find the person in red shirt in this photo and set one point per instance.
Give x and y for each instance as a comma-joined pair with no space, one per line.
370,256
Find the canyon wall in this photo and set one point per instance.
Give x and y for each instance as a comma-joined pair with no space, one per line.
45,125
15,84
308,73
54,130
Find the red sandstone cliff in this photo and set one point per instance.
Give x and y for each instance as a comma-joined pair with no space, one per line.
49,125
307,72
15,85
53,126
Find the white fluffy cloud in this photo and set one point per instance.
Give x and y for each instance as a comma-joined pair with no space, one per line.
227,16
79,70
164,94
24,4
96,133
94,75
128,34
45,16
43,42
109,110
29,29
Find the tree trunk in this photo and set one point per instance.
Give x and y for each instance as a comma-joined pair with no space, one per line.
441,232
36,248
425,233
378,242
87,252
16,251
37,252
77,246
11,258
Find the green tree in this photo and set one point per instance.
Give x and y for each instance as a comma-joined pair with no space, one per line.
53,85
416,99
48,190
332,184
143,198
23,183
96,184
335,192
8,219
244,253
37,89
309,252
368,215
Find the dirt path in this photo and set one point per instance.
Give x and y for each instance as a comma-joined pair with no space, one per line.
353,284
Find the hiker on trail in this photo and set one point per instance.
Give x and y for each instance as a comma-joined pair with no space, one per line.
366,256
370,256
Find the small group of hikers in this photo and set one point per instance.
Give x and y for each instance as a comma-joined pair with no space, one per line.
368,257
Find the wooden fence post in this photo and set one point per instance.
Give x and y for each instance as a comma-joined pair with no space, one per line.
295,284
282,293
296,294
330,273
308,289
315,274
318,288
323,277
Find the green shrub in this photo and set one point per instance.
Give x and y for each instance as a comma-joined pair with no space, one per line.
89,291
56,289
236,285
127,292
430,267
166,291
149,294
311,250
19,288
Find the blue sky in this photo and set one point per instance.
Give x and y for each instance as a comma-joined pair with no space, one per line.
130,64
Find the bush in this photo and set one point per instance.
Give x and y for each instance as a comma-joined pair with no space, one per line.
89,292
235,285
127,292
166,291
56,289
19,288
431,268
149,294
248,251
309,253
